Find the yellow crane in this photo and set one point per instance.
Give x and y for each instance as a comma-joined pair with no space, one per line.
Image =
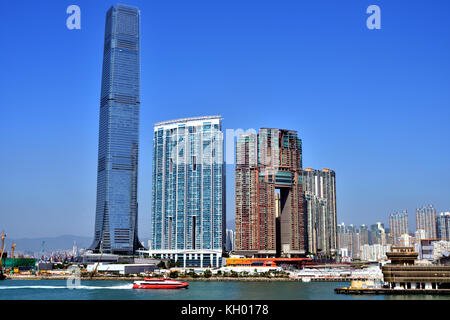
13,246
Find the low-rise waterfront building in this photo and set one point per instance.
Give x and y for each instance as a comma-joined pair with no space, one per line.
267,262
121,269
89,258
404,273
250,270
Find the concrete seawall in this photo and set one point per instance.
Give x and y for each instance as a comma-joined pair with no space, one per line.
124,278
391,291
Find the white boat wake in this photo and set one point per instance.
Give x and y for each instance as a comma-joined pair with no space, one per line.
121,287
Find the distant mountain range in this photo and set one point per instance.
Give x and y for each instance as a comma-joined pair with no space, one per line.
64,242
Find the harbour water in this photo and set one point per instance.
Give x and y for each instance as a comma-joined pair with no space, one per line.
198,290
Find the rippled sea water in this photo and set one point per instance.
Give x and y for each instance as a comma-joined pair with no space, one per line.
198,290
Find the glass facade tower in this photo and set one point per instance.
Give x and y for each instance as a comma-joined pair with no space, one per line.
188,196
117,207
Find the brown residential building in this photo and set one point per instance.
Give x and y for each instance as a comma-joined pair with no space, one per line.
270,219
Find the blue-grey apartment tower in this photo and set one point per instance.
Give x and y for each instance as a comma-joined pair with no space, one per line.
117,207
188,196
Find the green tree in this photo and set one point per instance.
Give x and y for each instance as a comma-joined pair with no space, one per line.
207,273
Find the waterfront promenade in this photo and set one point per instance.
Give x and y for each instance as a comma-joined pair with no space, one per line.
131,278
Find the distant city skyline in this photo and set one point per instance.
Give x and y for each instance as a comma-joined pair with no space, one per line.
373,105
414,223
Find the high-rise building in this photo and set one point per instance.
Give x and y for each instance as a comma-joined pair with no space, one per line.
320,196
188,197
349,239
443,226
343,240
419,235
362,243
377,234
268,168
363,235
316,215
246,194
398,226
116,220
356,243
374,252
229,240
426,220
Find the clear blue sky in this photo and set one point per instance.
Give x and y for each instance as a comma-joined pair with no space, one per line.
374,105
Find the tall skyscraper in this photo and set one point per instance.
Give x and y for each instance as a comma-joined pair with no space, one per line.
117,207
268,168
246,194
398,226
316,214
443,226
320,194
426,220
188,197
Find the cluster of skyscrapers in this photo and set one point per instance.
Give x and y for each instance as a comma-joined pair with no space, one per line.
281,208
429,225
430,228
352,238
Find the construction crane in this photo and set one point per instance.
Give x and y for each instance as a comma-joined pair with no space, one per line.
2,236
13,246
100,259
41,250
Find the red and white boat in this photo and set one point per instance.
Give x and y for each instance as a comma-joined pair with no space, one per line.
152,283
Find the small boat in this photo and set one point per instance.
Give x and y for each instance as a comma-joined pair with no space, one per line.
152,283
306,279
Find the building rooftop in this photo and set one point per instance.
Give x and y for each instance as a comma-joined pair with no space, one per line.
187,120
